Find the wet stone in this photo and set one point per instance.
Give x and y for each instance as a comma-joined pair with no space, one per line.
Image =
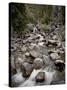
34,54
26,69
23,49
60,65
52,42
54,56
27,54
40,77
38,63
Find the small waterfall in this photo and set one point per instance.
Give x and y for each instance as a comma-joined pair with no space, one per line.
31,80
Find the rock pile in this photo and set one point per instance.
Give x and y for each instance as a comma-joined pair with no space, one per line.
36,51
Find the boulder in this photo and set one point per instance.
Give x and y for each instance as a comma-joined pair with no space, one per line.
59,44
18,62
61,52
17,40
34,54
53,42
46,60
53,50
26,69
27,35
60,65
27,54
40,77
24,41
33,37
36,37
41,43
54,37
39,49
29,59
38,63
43,50
23,49
43,34
54,56
41,39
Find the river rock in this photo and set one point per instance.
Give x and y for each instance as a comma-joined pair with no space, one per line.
26,69
43,34
40,77
18,62
17,40
27,54
41,43
23,49
53,50
38,63
53,42
39,49
59,44
36,37
43,50
46,60
34,54
29,59
33,37
54,56
60,65
24,41
54,37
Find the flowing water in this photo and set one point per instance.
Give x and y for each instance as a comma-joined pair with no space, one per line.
50,74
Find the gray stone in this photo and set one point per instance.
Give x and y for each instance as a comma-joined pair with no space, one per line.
59,44
53,42
26,69
46,60
27,54
53,50
54,37
24,41
18,62
41,43
38,63
34,54
54,56
43,50
60,65
23,49
40,77
43,34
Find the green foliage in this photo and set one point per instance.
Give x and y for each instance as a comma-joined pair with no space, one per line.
63,14
44,27
22,14
18,16
39,12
